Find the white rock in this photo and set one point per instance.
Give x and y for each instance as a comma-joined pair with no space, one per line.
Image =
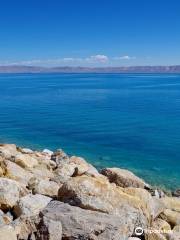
47,151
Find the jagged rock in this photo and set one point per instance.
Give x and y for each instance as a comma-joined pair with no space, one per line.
24,227
174,236
151,205
99,195
172,203
176,228
123,178
154,236
172,217
176,193
8,150
5,218
133,238
160,224
26,150
47,151
49,229
59,156
15,172
7,233
42,172
44,187
78,223
9,193
26,161
31,205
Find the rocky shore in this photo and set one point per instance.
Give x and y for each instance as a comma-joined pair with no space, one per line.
52,196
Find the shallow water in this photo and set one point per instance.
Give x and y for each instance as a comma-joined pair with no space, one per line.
124,120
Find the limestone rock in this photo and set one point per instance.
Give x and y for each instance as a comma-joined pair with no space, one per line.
176,228
47,151
45,187
172,217
15,172
172,203
8,150
7,233
49,229
78,223
9,193
26,161
151,205
5,218
99,195
123,178
31,205
155,236
160,224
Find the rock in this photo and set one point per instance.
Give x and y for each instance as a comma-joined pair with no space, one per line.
176,193
99,195
123,178
49,229
174,236
8,150
45,187
80,164
160,224
59,156
47,151
64,172
133,238
151,205
154,236
86,224
172,217
172,203
9,193
5,218
31,205
41,172
26,151
176,228
24,227
26,161
15,172
7,233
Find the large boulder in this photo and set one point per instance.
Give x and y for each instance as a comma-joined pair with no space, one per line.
44,187
31,205
151,205
26,161
123,178
15,172
99,195
49,229
172,203
9,193
172,217
8,150
78,223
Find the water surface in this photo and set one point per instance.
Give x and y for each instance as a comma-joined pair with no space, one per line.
124,120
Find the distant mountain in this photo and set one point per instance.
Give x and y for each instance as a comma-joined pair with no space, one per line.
132,69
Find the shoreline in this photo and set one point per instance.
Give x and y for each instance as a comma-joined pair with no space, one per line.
50,195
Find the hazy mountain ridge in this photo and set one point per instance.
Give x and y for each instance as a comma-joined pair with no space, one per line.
67,69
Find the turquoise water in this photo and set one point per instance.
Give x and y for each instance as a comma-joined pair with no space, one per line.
124,120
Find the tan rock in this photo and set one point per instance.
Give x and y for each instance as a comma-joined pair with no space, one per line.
8,150
7,233
176,228
162,225
152,206
26,161
49,229
78,223
174,236
45,187
31,205
9,193
15,172
123,178
99,195
172,203
155,236
172,217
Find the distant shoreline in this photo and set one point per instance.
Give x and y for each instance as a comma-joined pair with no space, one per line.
67,69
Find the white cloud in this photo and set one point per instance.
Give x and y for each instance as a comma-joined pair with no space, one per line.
125,57
98,58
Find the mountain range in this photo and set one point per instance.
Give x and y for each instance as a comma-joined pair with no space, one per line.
68,69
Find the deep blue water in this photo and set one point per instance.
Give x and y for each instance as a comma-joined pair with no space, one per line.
124,120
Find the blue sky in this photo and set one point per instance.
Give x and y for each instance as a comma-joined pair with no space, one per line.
89,32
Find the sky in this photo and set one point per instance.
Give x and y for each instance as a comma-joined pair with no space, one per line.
90,32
